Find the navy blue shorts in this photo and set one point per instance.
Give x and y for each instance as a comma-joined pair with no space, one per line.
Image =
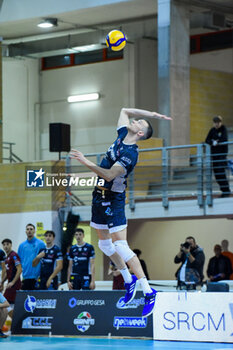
43,280
108,211
80,282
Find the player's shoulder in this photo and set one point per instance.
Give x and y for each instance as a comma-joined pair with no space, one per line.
56,248
2,255
129,156
90,246
1,252
13,253
122,131
24,243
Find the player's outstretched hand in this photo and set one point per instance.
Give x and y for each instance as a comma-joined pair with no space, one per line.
161,116
75,154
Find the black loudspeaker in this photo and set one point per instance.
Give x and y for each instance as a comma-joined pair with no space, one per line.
59,137
217,287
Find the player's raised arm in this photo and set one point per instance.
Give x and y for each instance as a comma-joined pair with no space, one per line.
127,113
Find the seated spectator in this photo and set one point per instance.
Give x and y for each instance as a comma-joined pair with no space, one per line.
192,259
3,313
144,267
13,272
51,263
118,280
227,253
219,266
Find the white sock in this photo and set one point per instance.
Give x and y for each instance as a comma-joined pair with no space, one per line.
126,275
145,285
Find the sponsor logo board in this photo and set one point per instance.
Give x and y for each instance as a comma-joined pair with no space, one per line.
194,317
84,321
31,303
129,322
39,322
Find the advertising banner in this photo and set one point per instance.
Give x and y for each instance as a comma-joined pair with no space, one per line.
194,317
80,313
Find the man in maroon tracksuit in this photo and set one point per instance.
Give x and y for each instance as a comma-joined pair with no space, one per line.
13,271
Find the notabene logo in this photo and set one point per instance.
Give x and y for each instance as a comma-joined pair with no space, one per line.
84,321
35,178
31,303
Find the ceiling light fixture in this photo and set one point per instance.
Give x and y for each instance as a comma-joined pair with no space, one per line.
48,23
84,97
86,48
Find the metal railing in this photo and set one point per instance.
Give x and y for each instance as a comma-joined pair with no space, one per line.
166,174
10,157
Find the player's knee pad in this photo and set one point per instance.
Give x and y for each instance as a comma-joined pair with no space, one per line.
107,246
123,249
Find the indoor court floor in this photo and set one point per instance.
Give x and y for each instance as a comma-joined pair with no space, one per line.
65,343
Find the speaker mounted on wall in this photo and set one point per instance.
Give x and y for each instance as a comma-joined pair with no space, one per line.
59,137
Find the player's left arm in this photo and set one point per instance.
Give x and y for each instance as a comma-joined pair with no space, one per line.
106,174
17,275
127,113
92,283
58,268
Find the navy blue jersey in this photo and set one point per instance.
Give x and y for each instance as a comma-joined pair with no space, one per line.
48,262
2,256
81,255
123,154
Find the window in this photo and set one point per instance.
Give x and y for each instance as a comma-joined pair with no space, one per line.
211,41
80,58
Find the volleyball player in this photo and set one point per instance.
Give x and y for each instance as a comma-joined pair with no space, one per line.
51,263
81,270
108,203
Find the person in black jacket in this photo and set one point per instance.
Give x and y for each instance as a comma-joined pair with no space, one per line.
192,257
215,137
219,266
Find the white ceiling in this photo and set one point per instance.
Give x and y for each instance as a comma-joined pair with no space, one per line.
95,16
137,17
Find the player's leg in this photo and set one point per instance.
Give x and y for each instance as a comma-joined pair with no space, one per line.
86,282
10,295
76,282
54,284
109,249
120,241
10,310
29,284
3,316
106,245
42,283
